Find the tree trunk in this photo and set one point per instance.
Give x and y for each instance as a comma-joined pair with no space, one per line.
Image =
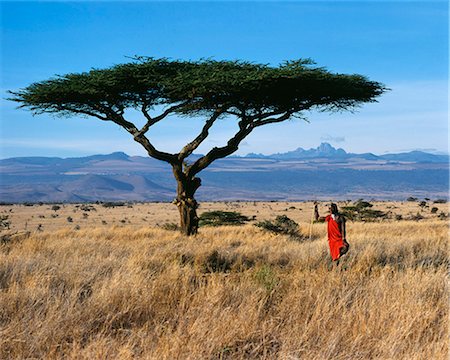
187,205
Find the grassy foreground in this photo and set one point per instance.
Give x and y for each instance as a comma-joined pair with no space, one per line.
229,293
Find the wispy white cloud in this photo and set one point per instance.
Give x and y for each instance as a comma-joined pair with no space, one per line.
336,139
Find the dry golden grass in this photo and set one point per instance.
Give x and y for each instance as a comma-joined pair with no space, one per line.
228,293
143,214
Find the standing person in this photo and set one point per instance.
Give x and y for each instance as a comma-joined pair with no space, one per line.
336,231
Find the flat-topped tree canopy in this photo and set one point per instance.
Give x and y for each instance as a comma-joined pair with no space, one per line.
201,86
256,94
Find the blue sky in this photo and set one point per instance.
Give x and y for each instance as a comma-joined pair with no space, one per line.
403,44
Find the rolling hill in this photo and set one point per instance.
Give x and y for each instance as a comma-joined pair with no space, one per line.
321,173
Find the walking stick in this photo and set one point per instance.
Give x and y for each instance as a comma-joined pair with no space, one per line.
311,223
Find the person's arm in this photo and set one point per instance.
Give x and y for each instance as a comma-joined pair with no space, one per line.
343,228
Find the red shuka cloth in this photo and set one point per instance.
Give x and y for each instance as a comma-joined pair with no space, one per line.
334,237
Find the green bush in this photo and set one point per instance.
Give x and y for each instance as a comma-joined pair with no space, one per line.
219,218
362,211
282,225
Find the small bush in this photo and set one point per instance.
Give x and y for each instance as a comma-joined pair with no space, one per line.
361,211
219,218
5,223
434,210
416,217
411,199
112,204
216,262
87,207
440,201
170,226
282,225
442,216
56,207
69,219
423,204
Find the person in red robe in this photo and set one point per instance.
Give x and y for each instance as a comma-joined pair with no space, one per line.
336,231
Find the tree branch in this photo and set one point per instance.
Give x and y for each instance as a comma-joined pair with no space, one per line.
137,135
153,152
194,144
152,121
281,118
245,128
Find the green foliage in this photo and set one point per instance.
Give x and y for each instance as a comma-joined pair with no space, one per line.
362,211
266,277
56,207
282,225
411,199
201,86
434,210
219,218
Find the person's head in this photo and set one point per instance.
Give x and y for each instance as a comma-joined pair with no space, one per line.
333,208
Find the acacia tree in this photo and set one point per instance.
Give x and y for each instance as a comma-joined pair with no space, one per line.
254,94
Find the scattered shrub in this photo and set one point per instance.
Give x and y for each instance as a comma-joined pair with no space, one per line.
442,216
87,207
434,210
112,204
5,223
411,199
423,204
398,217
361,211
282,225
170,226
216,262
69,219
440,201
416,217
219,218
56,207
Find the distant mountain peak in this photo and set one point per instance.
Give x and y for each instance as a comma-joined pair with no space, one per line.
118,155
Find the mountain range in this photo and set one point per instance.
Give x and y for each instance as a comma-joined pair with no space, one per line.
321,173
325,150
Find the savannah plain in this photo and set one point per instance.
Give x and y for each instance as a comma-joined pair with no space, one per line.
95,282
